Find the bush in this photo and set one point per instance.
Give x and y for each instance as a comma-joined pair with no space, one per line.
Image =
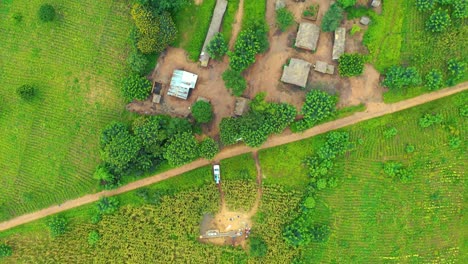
284,19
26,92
202,112
454,142
351,65
355,29
425,5
389,133
57,225
456,69
136,87
93,237
311,11
108,205
249,43
309,203
397,171
258,247
181,149
347,3
434,80
5,251
234,81
137,62
46,13
409,148
439,21
460,9
217,47
332,18
208,148
398,77
428,120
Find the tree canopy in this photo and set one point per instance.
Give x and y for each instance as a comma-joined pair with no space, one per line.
182,148
217,47
332,18
351,64
202,112
136,87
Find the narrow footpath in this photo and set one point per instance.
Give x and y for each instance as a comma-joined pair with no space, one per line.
373,111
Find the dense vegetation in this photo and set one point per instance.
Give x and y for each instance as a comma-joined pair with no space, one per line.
318,106
332,18
217,47
46,13
284,19
351,64
202,112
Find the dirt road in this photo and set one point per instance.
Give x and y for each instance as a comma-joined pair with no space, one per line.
373,110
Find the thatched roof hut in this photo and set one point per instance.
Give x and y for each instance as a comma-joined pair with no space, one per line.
324,67
307,36
339,43
296,72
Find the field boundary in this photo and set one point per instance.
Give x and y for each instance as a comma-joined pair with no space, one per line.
373,111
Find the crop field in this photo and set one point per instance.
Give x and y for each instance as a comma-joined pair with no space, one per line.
49,146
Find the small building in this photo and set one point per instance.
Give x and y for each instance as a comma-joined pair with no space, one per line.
242,106
181,83
215,25
324,67
339,43
296,72
307,36
157,88
376,3
364,20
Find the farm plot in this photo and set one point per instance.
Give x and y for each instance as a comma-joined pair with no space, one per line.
375,218
50,145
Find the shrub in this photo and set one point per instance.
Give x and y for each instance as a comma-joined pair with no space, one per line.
317,106
320,233
258,247
234,81
332,18
428,120
397,171
136,87
439,21
425,5
46,13
389,133
208,148
57,225
463,111
108,205
217,47
454,142
309,203
5,251
137,62
311,11
355,29
96,218
434,80
351,65
398,77
460,9
456,69
284,19
26,92
93,237
202,112
409,148
347,3
181,149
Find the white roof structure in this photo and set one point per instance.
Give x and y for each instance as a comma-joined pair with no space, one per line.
339,43
307,36
181,83
296,72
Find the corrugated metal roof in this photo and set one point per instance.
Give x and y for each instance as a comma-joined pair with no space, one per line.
181,83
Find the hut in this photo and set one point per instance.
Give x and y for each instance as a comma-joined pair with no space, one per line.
216,20
323,67
364,20
376,3
181,83
339,43
242,106
307,36
296,72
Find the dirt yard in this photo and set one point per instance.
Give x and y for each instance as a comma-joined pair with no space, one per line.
265,74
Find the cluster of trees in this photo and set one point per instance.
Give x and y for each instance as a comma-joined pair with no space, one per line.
318,106
430,119
301,231
332,18
250,42
398,77
202,112
397,171
351,64
284,18
145,145
46,13
136,87
217,47
441,18
263,119
26,92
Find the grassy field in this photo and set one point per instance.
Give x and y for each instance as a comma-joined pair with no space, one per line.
49,146
229,19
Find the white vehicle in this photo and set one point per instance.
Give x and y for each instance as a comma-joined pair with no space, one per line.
217,174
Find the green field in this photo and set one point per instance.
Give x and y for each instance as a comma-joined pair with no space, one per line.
49,146
373,218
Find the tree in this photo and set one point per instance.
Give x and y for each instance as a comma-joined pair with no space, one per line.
161,6
137,62
182,148
93,237
284,19
317,106
347,3
202,112
425,5
208,148
457,69
309,202
460,9
103,174
5,250
390,132
152,133
108,205
434,80
398,77
57,225
258,247
234,81
217,47
332,18
439,21
320,233
26,92
136,87
46,13
230,132
351,64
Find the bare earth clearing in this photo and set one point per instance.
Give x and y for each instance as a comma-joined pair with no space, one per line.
373,110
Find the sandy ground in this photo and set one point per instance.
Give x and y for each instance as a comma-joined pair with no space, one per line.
374,109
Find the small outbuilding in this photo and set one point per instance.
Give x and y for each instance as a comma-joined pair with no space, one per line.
181,83
376,3
242,106
339,43
296,72
324,67
307,36
364,20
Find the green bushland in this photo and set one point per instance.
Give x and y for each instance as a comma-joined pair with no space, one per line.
284,19
192,23
49,145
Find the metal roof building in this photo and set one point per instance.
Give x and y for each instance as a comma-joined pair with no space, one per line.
181,83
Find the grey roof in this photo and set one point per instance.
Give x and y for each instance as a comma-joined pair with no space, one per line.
364,20
339,43
242,105
181,83
375,3
296,72
324,67
307,36
216,20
